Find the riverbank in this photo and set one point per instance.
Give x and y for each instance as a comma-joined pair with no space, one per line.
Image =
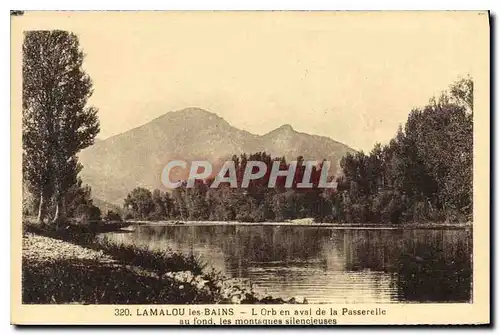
59,271
308,223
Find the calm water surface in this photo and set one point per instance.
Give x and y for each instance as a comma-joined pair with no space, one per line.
327,265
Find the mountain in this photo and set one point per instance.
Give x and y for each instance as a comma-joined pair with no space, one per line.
116,165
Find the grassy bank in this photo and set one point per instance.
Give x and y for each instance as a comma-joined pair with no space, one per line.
70,266
59,272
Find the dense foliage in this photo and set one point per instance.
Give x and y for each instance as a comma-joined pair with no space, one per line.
423,174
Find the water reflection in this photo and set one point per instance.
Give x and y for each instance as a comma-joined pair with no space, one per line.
329,265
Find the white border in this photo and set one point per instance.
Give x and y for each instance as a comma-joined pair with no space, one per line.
179,5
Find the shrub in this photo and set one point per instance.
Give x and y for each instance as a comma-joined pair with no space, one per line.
112,216
159,261
87,212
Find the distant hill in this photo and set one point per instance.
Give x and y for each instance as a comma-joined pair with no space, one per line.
116,165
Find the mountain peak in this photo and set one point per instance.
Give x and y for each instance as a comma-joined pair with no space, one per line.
286,127
194,110
191,114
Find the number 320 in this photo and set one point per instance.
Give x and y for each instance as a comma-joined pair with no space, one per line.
122,312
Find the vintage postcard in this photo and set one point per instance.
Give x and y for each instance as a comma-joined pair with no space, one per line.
250,168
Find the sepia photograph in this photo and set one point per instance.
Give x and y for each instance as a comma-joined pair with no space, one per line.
326,162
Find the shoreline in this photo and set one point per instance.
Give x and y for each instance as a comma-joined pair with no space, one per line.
50,264
299,224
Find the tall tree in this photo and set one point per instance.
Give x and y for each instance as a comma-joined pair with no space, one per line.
56,122
140,203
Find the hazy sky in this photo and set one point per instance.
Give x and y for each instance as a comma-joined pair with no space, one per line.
352,77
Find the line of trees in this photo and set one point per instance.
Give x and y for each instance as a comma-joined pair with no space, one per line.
56,125
423,174
257,202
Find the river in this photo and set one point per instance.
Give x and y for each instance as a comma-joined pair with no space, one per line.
325,264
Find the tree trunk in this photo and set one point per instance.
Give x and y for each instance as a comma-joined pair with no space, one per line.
41,209
60,215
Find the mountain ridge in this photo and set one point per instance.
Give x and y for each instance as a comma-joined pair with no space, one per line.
115,165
